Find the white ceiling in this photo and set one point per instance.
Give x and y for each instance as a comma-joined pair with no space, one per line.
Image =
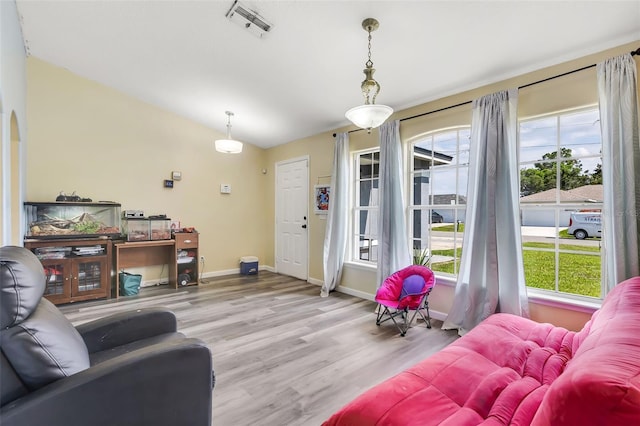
297,81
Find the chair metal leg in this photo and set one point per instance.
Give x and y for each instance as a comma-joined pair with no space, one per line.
407,326
406,323
382,310
382,313
426,319
402,326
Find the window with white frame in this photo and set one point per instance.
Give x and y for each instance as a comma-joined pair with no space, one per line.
561,199
439,176
365,218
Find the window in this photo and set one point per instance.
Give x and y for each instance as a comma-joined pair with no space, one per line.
560,202
365,242
439,175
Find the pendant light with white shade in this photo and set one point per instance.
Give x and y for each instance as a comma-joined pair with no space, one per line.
370,115
228,145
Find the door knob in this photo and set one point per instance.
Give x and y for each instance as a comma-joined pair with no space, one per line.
304,226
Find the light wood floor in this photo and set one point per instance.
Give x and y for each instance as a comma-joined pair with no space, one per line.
282,355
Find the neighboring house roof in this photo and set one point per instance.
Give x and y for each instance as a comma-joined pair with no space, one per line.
428,155
586,193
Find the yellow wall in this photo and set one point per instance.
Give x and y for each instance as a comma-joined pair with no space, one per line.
105,145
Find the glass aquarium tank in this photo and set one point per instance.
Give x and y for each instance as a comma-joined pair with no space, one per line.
136,229
65,219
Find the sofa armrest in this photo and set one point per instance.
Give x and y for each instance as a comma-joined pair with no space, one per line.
126,327
163,384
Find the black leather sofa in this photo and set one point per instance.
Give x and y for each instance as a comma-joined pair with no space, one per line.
133,368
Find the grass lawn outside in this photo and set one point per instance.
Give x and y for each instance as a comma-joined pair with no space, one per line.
578,273
448,228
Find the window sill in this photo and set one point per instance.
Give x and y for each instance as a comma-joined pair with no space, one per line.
579,305
446,280
362,266
543,298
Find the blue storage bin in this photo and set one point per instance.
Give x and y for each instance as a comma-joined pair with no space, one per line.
248,265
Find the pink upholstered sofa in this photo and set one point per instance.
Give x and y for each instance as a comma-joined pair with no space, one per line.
511,370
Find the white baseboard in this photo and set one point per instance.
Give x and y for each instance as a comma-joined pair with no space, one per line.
440,316
356,293
221,273
315,281
152,283
234,271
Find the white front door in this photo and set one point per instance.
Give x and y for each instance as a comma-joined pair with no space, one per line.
292,203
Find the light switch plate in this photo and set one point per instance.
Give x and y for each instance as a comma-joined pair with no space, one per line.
225,188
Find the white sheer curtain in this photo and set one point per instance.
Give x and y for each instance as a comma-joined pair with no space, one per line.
393,247
620,167
335,237
491,277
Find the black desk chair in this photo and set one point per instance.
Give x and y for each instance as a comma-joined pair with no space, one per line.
132,368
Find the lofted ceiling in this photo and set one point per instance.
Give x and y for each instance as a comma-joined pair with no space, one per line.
299,79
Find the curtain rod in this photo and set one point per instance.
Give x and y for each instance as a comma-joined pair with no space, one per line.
633,53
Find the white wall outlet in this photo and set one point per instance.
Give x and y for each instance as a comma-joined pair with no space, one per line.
225,188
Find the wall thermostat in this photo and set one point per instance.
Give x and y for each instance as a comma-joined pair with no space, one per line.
176,175
225,188
168,184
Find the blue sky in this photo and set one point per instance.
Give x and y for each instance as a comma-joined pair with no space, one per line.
578,131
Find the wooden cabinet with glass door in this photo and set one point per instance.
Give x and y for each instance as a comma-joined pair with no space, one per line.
75,270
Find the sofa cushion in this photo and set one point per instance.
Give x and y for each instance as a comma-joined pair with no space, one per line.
498,373
22,283
601,384
45,347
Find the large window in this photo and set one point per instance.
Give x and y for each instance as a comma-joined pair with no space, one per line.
439,175
561,198
365,226
561,201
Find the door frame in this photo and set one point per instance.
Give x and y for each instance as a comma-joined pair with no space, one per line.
276,205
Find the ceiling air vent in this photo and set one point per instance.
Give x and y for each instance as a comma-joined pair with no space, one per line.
249,19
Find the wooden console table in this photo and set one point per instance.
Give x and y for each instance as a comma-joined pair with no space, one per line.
146,253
